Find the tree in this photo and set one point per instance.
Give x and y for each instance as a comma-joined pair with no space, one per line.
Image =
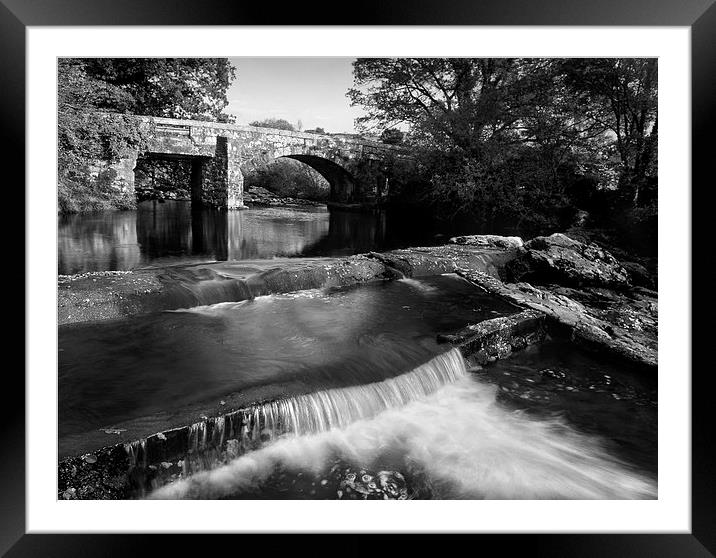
392,136
83,138
193,88
171,87
455,102
507,138
480,123
278,123
621,95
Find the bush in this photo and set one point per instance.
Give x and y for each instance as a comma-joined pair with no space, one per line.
278,123
84,194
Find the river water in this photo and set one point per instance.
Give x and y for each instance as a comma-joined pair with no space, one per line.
172,233
168,368
354,391
550,423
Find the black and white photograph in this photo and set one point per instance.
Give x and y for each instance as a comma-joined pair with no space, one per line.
436,259
355,278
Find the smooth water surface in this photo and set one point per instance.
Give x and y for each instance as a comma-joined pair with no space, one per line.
176,365
157,234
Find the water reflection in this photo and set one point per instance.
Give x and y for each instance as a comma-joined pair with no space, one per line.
172,232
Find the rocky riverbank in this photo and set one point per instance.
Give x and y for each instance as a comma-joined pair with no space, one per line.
584,288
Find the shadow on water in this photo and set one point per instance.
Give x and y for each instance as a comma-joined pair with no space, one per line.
173,232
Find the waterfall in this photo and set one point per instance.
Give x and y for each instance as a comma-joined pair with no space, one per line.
215,440
337,408
451,438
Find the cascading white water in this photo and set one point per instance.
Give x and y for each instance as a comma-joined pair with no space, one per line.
213,440
337,408
418,285
441,422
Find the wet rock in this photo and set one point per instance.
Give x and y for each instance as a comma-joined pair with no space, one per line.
412,263
117,295
256,195
624,323
70,494
559,259
362,484
497,338
104,477
489,241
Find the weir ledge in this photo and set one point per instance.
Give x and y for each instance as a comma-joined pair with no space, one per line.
132,469
91,297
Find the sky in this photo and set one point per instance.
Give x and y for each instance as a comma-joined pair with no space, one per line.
312,90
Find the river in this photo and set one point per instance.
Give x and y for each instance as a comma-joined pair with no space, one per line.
172,232
354,375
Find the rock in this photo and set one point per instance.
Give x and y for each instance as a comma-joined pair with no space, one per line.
496,338
559,259
365,485
257,195
624,324
639,275
489,241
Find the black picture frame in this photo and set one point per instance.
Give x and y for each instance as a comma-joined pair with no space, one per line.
699,15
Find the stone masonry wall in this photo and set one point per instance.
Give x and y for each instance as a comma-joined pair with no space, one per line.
232,150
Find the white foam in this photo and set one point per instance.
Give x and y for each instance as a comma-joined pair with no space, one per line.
468,445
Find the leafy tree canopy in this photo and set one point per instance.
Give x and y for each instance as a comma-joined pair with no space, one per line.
171,87
513,135
392,136
278,123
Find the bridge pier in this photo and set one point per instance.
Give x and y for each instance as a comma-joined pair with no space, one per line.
218,181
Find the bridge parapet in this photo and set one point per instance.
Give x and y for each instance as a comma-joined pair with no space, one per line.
240,130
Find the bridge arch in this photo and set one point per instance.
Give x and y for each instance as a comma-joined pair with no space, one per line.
342,183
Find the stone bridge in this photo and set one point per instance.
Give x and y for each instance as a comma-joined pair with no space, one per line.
220,154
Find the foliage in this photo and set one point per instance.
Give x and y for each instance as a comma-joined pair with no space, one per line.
83,136
516,140
192,88
392,136
290,178
94,131
620,94
75,195
278,123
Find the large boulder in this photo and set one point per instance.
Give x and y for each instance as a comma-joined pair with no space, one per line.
489,241
562,260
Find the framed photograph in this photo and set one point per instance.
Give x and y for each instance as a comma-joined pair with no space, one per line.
410,258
